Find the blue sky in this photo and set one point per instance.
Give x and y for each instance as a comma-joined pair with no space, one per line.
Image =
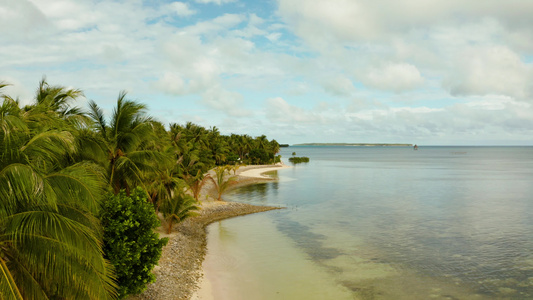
439,72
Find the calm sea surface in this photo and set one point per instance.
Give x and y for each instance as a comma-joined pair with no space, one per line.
383,223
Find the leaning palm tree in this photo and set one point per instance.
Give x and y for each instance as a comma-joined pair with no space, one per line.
196,183
222,182
50,240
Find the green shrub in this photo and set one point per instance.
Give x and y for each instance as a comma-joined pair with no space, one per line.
260,157
232,158
130,242
297,160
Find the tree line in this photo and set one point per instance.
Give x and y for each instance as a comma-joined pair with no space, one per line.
65,174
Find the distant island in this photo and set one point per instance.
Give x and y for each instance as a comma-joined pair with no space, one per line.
354,144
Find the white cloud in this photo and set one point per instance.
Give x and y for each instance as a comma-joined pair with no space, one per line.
273,36
193,60
333,69
181,9
218,2
352,20
16,90
339,85
491,70
216,25
278,110
70,15
252,29
111,53
488,118
324,21
21,19
172,83
395,77
228,102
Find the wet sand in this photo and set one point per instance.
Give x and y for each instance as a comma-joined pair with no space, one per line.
179,273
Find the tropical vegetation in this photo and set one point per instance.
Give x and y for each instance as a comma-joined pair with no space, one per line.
59,161
130,241
50,238
298,160
222,181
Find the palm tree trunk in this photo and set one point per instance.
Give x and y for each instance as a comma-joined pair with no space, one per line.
169,229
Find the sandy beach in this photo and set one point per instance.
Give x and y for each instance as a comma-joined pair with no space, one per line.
179,273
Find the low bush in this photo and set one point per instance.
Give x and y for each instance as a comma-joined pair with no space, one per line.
130,242
297,160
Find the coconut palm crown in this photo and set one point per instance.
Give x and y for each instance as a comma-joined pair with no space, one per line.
123,143
50,241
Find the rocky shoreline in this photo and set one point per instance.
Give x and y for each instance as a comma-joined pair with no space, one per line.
180,266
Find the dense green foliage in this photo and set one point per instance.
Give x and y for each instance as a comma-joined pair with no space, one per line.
56,164
125,145
178,208
50,240
130,242
297,160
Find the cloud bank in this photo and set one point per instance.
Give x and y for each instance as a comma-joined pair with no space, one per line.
434,72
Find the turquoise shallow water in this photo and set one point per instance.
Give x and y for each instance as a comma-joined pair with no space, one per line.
387,223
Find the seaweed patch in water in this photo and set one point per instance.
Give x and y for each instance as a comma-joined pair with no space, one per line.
309,241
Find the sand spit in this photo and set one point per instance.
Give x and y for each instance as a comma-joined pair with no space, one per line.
180,267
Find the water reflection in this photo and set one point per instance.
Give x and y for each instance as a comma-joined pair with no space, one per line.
252,193
256,193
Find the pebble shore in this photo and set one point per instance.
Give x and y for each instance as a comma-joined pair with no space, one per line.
180,266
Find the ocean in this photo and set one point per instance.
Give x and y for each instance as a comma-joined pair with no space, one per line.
383,223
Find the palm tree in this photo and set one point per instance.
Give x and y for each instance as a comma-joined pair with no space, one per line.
178,208
57,99
218,146
187,143
222,183
50,240
241,145
261,142
164,183
273,147
124,142
196,183
196,133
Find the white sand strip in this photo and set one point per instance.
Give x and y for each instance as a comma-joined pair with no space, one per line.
259,171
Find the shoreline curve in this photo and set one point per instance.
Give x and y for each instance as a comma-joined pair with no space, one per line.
179,272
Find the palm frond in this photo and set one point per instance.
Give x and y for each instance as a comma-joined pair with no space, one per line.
50,238
49,147
20,186
125,113
178,208
8,285
92,147
80,264
97,114
77,186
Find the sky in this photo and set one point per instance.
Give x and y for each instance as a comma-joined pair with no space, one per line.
427,72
